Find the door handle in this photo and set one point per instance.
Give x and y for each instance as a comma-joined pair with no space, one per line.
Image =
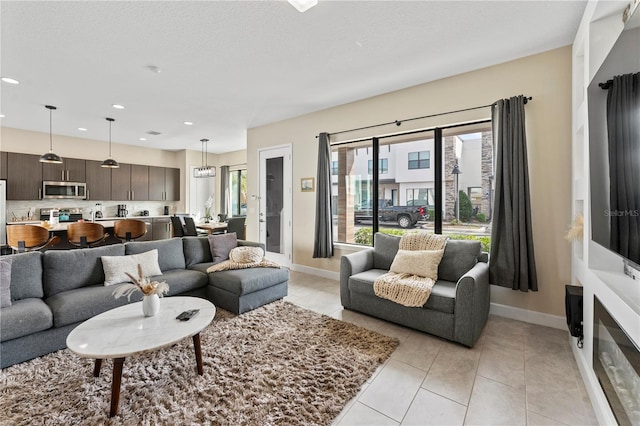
262,220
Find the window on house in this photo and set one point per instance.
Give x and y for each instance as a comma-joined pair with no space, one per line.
383,166
238,192
334,168
419,160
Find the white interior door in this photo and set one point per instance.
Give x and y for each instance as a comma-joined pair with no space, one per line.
276,204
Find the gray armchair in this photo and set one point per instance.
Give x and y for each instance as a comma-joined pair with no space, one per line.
458,307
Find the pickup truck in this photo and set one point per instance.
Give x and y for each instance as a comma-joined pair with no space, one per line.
404,216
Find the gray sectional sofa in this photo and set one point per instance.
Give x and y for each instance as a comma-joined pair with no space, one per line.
458,307
54,291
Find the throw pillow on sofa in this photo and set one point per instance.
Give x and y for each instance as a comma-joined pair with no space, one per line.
221,245
423,263
246,254
116,267
5,282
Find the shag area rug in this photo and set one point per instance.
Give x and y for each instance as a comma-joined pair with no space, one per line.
279,364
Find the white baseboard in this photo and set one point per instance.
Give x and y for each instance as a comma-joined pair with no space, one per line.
525,315
316,271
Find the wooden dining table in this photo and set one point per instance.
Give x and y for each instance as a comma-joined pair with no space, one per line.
212,227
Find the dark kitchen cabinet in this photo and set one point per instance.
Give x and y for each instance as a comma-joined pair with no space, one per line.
172,184
24,177
121,183
71,170
139,182
130,182
98,181
164,184
3,165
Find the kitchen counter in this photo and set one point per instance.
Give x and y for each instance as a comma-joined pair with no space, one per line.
104,219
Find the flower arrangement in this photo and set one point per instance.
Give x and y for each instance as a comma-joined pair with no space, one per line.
141,284
207,208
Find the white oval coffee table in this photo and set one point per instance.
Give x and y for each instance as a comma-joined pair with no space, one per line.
124,331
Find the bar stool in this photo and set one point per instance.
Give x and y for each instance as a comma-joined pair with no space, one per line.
23,238
129,229
86,234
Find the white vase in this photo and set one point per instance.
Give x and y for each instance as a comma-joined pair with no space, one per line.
150,305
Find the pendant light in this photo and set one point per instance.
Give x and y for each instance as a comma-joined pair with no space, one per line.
110,162
50,157
204,171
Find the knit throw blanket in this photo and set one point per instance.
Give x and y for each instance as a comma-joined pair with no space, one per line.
244,258
404,286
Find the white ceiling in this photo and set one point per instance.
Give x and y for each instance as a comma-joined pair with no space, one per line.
232,65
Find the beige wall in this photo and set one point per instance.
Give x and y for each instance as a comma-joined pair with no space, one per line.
546,77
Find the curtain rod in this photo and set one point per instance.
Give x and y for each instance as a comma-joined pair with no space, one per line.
606,85
399,122
412,132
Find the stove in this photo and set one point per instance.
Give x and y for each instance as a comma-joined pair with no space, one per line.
69,214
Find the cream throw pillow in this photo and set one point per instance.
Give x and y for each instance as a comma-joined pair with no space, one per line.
116,267
246,254
423,263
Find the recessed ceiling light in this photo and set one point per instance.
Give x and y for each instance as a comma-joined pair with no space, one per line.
118,106
143,139
188,123
82,129
10,80
154,68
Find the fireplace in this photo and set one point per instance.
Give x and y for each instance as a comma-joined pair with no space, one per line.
616,361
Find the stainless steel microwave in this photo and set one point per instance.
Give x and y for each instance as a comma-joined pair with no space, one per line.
75,190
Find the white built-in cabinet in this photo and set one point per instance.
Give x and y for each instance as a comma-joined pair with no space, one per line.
598,271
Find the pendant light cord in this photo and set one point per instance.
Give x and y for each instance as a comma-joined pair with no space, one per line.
50,131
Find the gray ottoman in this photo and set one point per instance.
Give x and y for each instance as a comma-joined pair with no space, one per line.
242,290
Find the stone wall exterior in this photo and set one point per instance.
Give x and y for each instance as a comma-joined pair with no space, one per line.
487,174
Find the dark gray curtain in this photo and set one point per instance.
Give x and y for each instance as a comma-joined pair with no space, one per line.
323,244
512,258
224,189
623,127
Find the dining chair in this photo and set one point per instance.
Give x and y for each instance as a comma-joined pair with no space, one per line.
23,238
129,229
86,234
236,224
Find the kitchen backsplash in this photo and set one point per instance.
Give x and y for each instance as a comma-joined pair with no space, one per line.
19,210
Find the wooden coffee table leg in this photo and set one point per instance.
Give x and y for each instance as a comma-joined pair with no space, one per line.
198,349
96,368
115,385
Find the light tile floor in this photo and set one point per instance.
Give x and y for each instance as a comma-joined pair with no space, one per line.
517,373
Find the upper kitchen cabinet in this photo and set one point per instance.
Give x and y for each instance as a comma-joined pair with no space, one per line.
164,184
71,170
24,177
139,182
3,165
98,181
130,182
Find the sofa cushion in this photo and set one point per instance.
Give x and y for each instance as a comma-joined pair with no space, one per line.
117,267
66,270
221,246
24,317
245,281
80,304
5,281
196,250
26,275
201,267
423,263
182,280
459,257
385,249
442,296
170,252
